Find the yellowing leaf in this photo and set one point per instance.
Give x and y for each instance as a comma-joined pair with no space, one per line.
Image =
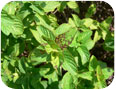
55,60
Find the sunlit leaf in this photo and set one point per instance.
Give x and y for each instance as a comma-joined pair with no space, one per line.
67,81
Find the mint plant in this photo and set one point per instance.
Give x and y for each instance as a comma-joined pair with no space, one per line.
39,53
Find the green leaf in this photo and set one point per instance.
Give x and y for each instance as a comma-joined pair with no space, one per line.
13,50
62,6
24,11
43,70
8,74
86,75
109,43
70,34
93,63
91,10
37,9
105,26
10,8
3,41
49,6
100,77
45,84
69,62
5,64
84,36
46,71
52,46
77,20
102,64
38,56
45,32
49,49
106,23
52,75
71,22
63,28
84,54
53,20
16,76
13,62
90,23
74,6
21,65
44,21
36,83
4,77
37,36
54,85
84,28
75,80
107,72
89,44
67,81
97,35
74,42
11,24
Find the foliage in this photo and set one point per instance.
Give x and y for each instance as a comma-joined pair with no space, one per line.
39,53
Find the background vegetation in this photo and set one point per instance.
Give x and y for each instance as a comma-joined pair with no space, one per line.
58,45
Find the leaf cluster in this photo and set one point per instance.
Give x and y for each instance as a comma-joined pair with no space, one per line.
39,53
